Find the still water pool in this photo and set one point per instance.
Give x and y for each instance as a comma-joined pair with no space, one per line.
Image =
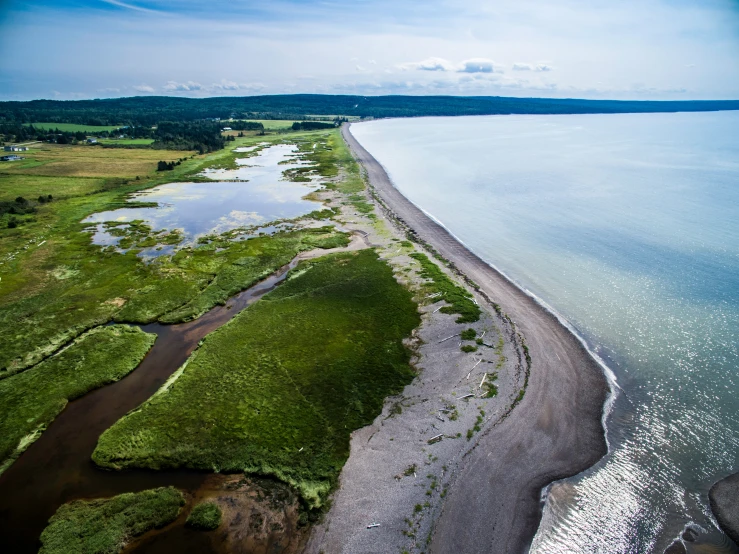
252,195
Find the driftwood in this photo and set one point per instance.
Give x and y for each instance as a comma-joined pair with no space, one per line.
435,439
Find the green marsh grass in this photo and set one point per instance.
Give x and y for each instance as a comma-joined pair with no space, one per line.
106,525
278,390
205,516
31,400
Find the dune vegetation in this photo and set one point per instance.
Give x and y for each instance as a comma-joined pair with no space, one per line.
278,390
459,300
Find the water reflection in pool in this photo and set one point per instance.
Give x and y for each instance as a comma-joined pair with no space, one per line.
252,195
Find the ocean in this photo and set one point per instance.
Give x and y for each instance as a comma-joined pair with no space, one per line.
626,225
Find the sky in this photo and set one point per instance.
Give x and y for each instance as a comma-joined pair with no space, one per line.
621,49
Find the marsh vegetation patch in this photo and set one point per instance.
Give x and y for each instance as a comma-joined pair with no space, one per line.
31,400
104,526
280,388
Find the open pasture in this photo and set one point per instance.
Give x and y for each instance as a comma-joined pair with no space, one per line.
74,127
56,160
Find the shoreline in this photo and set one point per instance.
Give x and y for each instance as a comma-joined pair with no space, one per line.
495,500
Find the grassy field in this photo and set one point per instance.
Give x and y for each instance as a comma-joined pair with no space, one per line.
31,400
74,127
56,160
271,124
278,390
105,526
127,142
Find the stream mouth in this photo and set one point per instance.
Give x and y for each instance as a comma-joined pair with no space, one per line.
57,468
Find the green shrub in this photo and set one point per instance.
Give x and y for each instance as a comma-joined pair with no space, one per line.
205,516
468,348
468,334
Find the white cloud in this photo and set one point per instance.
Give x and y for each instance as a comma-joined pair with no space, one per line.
478,65
189,86
143,88
109,90
429,64
519,66
472,65
223,85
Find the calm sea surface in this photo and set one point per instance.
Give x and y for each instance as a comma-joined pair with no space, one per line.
628,227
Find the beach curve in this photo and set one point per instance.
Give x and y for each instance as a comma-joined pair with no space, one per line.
556,431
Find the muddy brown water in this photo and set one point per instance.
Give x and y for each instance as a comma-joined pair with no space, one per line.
57,468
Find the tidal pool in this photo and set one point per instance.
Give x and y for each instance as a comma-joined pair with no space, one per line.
248,197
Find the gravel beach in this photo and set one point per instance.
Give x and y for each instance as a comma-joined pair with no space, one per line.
492,492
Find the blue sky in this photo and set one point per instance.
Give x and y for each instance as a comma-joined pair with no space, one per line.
641,49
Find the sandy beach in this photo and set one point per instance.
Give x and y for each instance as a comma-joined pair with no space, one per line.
493,501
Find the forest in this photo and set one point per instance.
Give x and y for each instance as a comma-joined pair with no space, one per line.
151,110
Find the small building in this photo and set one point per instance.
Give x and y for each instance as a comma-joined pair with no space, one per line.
92,141
11,158
15,148
227,128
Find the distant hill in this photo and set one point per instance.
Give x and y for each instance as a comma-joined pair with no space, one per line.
148,110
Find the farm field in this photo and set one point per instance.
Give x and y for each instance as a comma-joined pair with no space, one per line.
127,142
74,127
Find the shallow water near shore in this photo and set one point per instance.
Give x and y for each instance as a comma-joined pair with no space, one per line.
626,225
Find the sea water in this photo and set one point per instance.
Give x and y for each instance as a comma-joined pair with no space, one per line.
627,226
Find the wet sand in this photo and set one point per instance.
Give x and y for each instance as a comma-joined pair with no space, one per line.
493,504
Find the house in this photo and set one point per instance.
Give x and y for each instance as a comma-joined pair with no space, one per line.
92,141
15,148
11,158
226,128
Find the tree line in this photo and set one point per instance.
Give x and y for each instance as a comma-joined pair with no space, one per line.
149,110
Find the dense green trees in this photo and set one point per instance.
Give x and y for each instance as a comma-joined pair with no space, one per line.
148,111
311,125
